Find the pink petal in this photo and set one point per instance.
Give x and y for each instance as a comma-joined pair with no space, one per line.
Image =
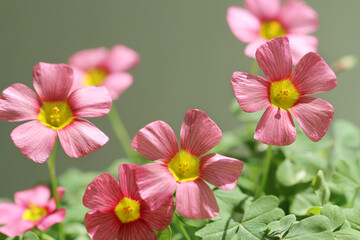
90,102
117,83
265,10
51,206
9,212
156,184
160,218
251,48
243,24
88,58
17,227
137,230
194,199
102,225
121,58
53,81
38,195
19,103
297,17
51,219
220,171
312,75
156,142
79,76
103,193
274,59
301,45
314,116
251,92
275,127
199,133
81,138
34,140
127,181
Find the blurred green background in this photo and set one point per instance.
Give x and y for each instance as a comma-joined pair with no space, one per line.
187,57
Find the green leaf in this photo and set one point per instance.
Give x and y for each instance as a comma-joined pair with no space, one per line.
353,217
314,211
190,221
30,236
166,234
279,228
302,202
349,234
321,189
263,210
222,229
346,133
334,214
252,231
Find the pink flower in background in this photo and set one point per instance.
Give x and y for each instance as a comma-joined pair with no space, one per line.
103,67
286,92
186,170
32,208
54,112
119,212
262,20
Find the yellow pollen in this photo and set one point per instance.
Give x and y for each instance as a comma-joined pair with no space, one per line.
283,94
127,210
184,166
55,114
34,213
94,77
271,29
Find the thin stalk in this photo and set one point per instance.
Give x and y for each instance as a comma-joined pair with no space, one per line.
265,175
180,225
357,191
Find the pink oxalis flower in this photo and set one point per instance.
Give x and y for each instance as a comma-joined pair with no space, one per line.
54,112
286,92
32,208
103,67
186,170
119,212
262,20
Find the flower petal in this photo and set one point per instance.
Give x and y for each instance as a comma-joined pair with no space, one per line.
199,133
243,24
138,230
265,10
275,127
127,181
251,92
88,58
160,218
81,138
314,116
9,212
194,199
19,103
38,195
90,102
156,142
102,225
53,81
301,45
17,227
34,140
251,48
220,171
51,219
156,184
103,193
312,75
297,17
121,58
274,59
117,83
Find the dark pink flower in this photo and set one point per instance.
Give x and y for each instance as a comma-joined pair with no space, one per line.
54,112
103,67
262,20
118,211
286,92
32,208
186,170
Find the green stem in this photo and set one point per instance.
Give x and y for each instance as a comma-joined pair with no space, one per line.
254,68
181,226
355,196
51,165
265,175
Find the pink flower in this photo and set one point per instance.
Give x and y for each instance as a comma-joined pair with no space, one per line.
54,112
286,92
32,208
262,20
186,170
102,67
118,211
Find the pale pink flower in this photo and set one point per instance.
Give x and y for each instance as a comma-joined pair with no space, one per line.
32,208
186,170
262,20
103,67
54,112
286,92
118,212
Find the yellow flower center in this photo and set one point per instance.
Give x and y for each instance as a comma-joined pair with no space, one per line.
271,30
55,114
127,210
283,94
94,77
34,213
184,166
